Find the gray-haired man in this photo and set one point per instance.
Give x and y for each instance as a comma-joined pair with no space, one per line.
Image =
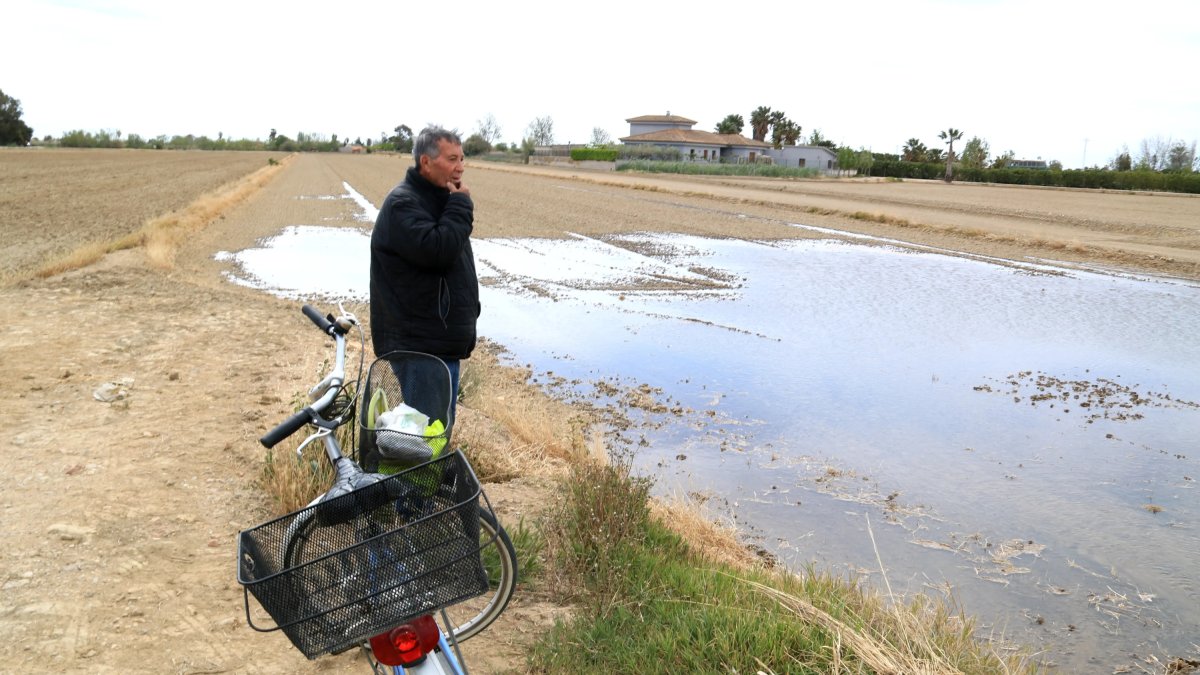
424,290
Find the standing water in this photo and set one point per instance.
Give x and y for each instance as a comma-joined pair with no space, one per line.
1020,436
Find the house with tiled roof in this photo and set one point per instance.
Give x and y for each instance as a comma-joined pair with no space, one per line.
674,131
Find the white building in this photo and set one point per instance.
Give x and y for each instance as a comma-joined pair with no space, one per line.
673,131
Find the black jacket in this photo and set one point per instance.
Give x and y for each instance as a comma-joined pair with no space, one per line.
424,291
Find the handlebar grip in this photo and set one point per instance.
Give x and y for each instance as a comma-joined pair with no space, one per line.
315,316
289,426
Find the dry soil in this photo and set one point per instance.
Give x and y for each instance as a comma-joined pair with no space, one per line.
136,396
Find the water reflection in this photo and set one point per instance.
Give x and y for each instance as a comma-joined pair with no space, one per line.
1021,435
925,392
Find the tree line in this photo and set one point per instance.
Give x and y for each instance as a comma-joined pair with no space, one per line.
1154,155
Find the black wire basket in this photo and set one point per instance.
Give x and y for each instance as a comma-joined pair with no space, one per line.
334,574
411,381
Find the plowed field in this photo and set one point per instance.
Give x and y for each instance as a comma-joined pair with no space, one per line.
119,516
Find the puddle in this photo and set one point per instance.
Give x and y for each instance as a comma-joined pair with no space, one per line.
841,399
1021,435
285,265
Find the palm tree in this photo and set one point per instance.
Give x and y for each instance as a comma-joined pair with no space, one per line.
914,151
760,121
779,122
784,132
732,124
950,135
791,135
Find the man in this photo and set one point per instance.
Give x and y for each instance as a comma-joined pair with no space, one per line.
424,291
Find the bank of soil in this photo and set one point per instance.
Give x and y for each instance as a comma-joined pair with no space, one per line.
136,396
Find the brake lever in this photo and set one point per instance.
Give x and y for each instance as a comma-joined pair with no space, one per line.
347,320
320,433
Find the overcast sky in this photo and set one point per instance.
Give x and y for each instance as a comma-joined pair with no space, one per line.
1073,80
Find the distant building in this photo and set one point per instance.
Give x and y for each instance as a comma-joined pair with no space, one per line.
647,124
805,157
1027,164
674,131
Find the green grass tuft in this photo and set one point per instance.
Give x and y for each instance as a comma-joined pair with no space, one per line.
651,604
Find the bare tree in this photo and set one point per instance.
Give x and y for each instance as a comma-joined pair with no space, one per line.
600,137
541,131
489,128
1155,154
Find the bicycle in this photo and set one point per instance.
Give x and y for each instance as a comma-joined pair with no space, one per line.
369,562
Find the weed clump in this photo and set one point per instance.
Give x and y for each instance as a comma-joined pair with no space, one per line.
599,526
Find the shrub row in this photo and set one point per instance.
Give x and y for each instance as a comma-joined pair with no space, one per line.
595,154
657,153
704,168
85,139
1076,178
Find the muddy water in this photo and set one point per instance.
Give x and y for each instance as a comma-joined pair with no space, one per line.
1022,437
1005,433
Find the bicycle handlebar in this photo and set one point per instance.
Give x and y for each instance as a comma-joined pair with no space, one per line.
329,387
315,316
288,427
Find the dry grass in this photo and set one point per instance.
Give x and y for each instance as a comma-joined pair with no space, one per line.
77,259
891,639
924,637
713,540
160,236
509,427
292,481
494,455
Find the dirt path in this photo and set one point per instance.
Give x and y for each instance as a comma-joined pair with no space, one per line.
139,395
120,516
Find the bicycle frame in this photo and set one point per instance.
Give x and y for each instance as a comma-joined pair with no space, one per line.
419,646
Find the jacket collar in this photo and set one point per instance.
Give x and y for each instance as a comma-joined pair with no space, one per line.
422,183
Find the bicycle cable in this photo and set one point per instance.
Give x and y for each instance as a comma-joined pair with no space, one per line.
362,357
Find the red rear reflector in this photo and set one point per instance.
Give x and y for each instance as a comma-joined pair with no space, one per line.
406,641
407,644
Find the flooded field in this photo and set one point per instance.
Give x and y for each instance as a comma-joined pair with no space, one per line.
1020,436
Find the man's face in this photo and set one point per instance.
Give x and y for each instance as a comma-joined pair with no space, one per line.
447,167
